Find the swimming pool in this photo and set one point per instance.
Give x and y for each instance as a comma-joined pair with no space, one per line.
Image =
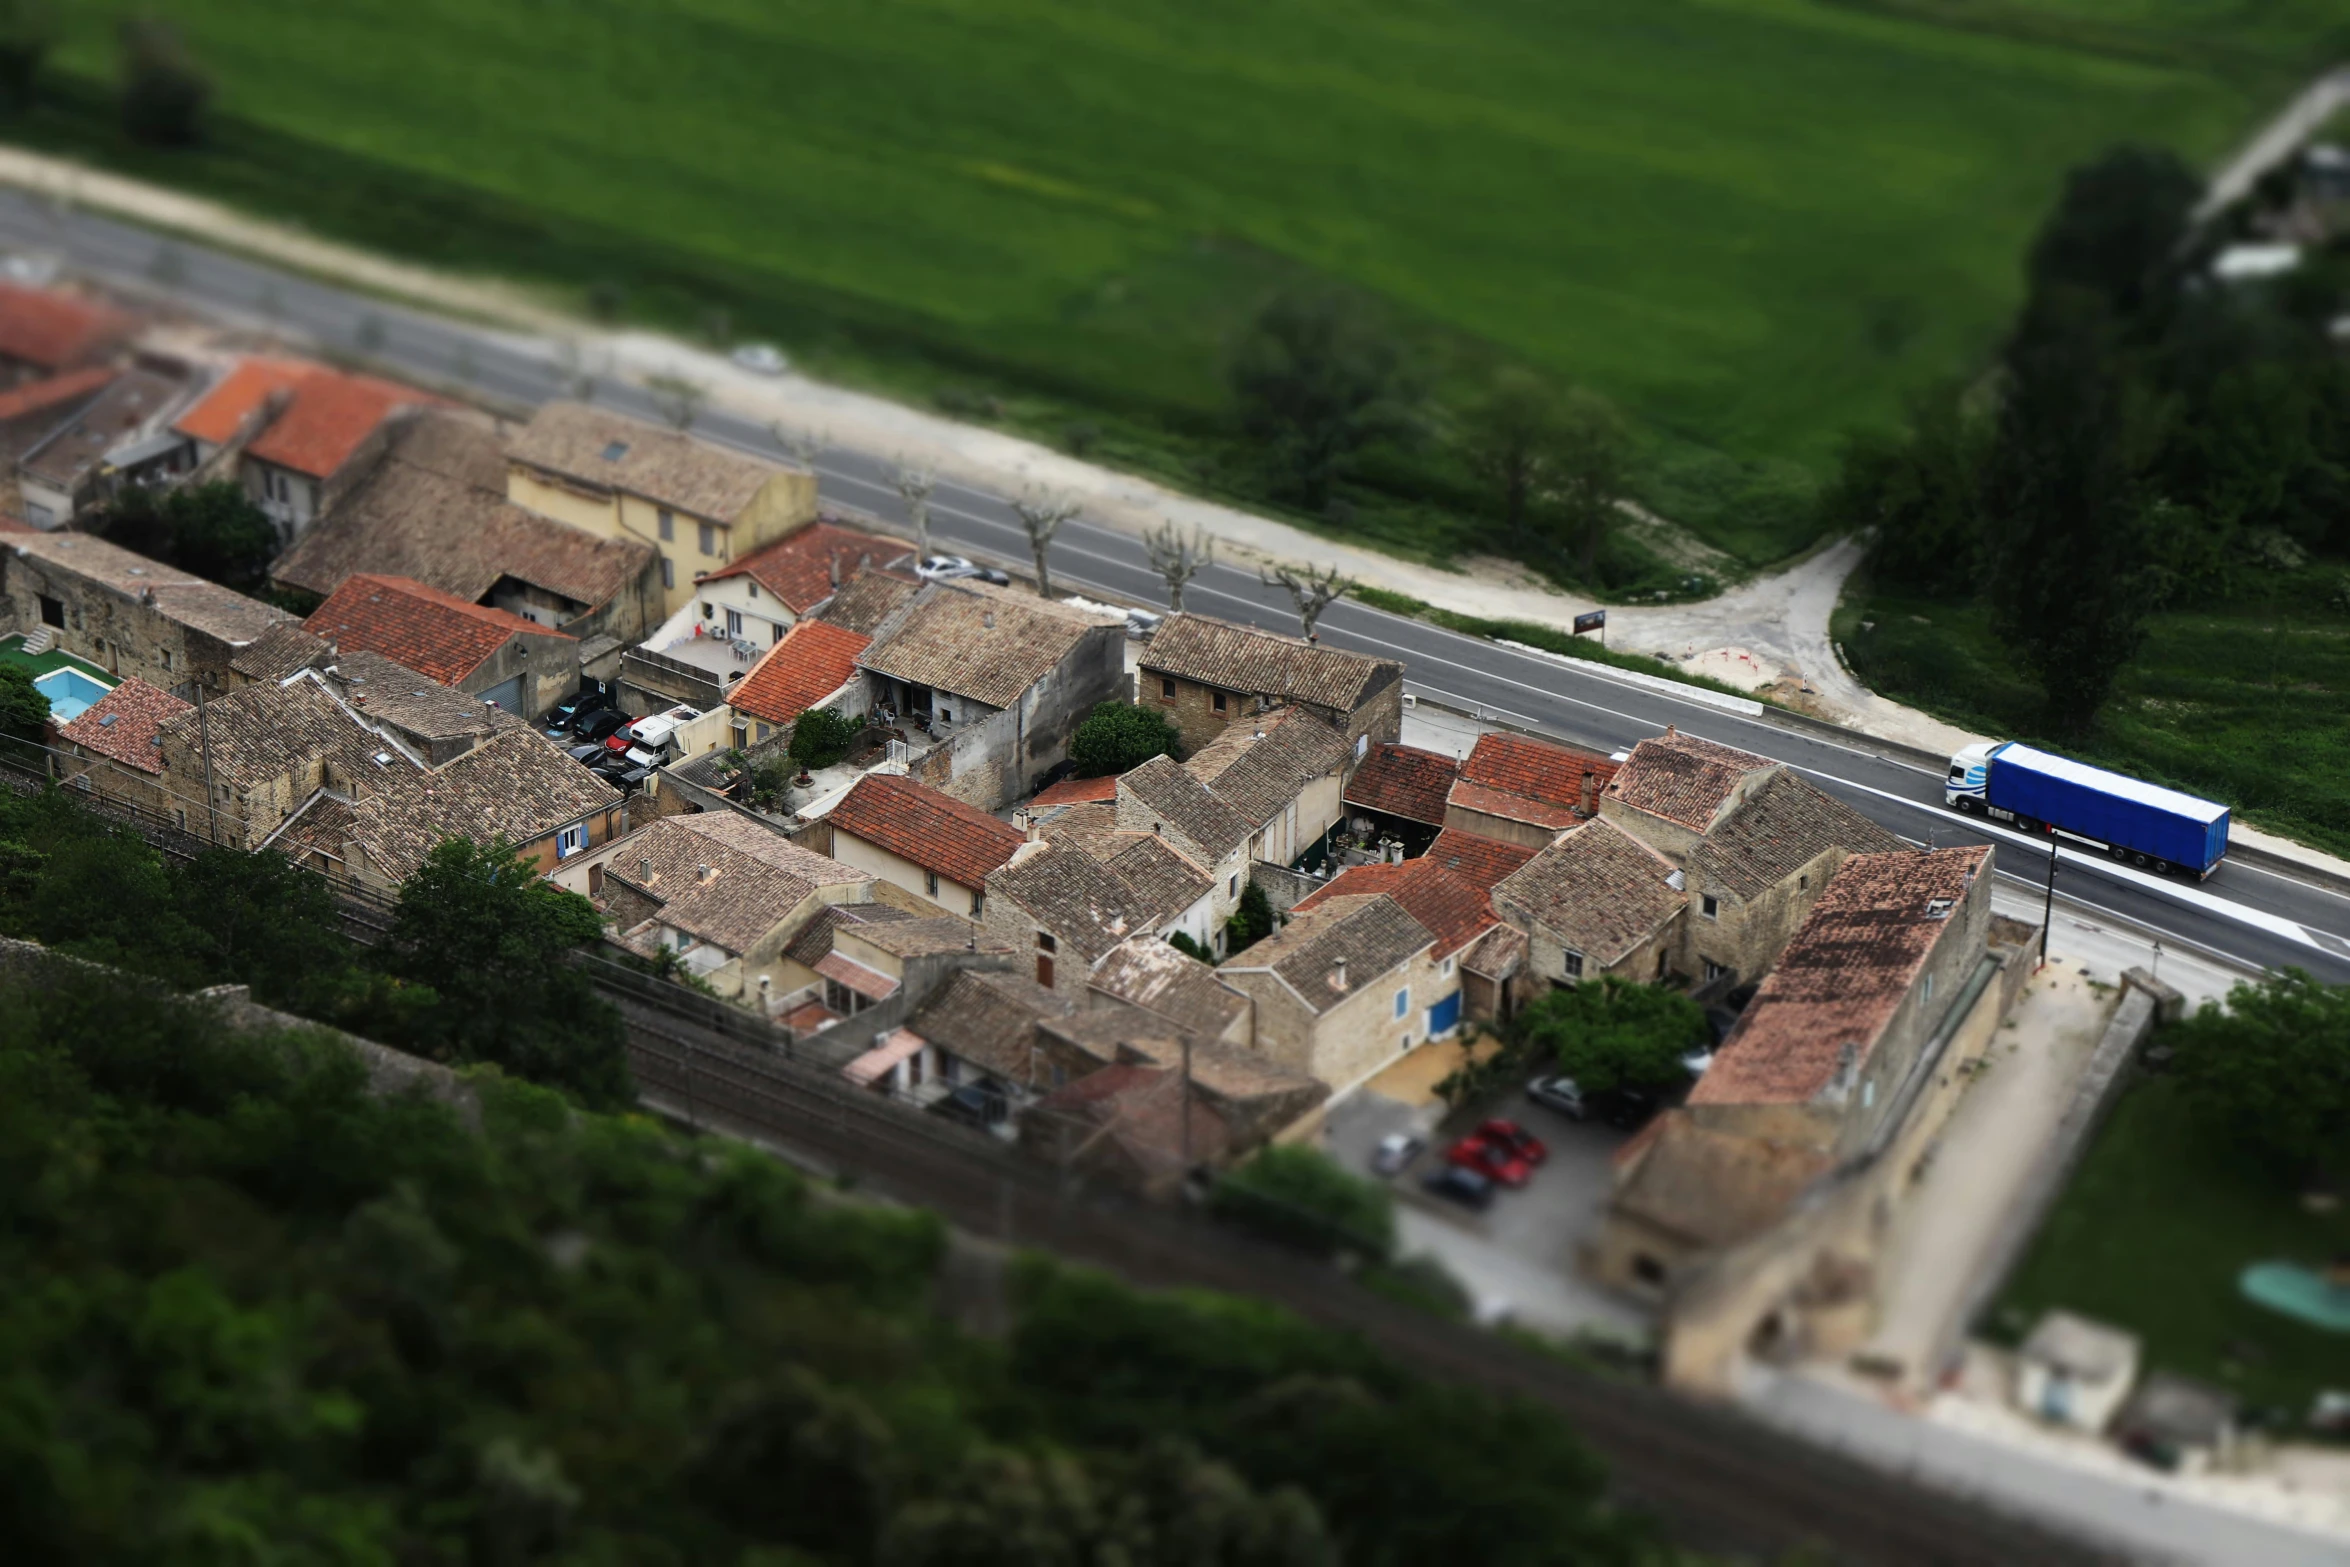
70,692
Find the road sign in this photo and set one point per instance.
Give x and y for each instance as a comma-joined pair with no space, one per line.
1595,621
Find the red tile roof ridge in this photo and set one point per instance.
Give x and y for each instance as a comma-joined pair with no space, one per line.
814,659
927,828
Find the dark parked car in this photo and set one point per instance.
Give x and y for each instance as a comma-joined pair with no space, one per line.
600,725
572,709
1456,1184
586,755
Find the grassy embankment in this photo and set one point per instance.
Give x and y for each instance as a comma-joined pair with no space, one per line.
1752,223
2152,1234
2244,700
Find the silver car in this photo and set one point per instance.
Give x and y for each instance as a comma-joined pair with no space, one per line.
1559,1093
1395,1150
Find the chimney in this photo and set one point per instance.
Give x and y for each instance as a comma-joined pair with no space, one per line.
644,869
833,568
1670,732
987,619
1338,975
1590,792
701,873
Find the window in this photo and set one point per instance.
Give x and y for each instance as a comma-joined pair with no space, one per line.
1045,942
930,882
763,731
165,655
1660,962
737,736
734,622
709,539
313,487
1714,971
1647,1269
668,525
1403,1001
978,904
1801,882
1571,965
615,450
1929,995
710,610
1217,701
1448,967
1166,686
779,631
571,840
668,572
1044,969
1232,887
1362,746
179,817
1710,906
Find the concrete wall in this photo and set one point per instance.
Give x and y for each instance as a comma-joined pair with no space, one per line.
1499,828
548,665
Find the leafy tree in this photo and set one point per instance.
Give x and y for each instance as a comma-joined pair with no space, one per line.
1921,495
1316,382
24,714
1300,1196
2072,568
2117,231
821,737
1251,923
1609,1033
164,92
2271,1070
493,941
1593,471
1117,737
28,30
212,530
1509,442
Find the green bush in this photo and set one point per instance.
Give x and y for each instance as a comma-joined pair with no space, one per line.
1117,737
1609,1033
819,737
2270,1071
1300,1197
1249,924
212,530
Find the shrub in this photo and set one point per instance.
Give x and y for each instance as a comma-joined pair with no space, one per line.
1609,1033
1300,1197
820,737
1251,923
1118,737
163,90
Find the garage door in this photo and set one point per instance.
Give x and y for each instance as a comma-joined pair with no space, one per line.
1444,1016
508,695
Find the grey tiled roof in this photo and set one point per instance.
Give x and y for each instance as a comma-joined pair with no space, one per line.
866,600
189,601
383,688
1239,658
715,890
1373,935
1258,768
1160,790
814,939
1081,900
1597,890
1783,824
514,785
279,651
989,1020
1146,972
614,452
972,641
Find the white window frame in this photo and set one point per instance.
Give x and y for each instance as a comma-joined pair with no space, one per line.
1571,963
571,840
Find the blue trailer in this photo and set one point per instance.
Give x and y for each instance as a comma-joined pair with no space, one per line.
2135,822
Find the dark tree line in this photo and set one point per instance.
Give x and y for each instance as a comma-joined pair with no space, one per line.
2148,434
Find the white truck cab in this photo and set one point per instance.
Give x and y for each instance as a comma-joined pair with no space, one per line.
655,733
1969,768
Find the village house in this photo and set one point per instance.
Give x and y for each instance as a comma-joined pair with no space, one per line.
1401,791
1161,799
866,602
1525,791
1144,1128
279,651
514,664
111,748
814,665
1206,674
432,507
724,893
1342,990
698,506
989,684
919,840
31,412
45,333
1068,908
1455,912
870,966
127,614
105,442
438,723
1168,990
1282,774
1254,1097
295,434
1596,902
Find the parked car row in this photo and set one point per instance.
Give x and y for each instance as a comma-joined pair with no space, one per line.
623,751
1497,1154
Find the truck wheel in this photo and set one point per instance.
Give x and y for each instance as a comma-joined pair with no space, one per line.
2118,852
2162,867
2138,860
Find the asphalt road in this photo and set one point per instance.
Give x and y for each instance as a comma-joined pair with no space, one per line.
2250,914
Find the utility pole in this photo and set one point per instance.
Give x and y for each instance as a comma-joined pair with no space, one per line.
2048,909
204,744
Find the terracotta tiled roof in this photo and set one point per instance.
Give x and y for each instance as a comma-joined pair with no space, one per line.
717,882
808,565
1682,778
327,414
125,410
867,600
1476,859
989,1020
1846,971
975,642
1141,1111
1374,936
1259,663
1528,780
811,662
930,829
1454,911
1712,1188
1258,768
1404,781
188,601
1597,890
612,452
1146,972
435,509
1071,791
56,393
1161,791
1782,825
438,634
54,330
121,725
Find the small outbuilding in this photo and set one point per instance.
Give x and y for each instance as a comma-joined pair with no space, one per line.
2178,1423
2075,1372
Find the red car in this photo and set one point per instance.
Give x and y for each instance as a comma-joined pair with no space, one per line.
1491,1159
1510,1135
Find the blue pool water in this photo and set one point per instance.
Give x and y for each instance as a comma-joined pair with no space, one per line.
70,692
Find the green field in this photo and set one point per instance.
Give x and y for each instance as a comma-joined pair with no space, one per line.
1751,222
2151,1235
2245,700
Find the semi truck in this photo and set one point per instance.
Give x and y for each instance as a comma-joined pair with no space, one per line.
2135,822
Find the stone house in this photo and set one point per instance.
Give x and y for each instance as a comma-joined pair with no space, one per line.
498,657
1206,674
1068,907
432,507
128,614
1456,913
1598,901
990,683
85,456
45,333
724,892
1160,798
36,410
1340,991
813,665
1167,990
1400,791
926,843
1134,1126
1283,774
699,507
981,1030
1525,791
111,748
297,435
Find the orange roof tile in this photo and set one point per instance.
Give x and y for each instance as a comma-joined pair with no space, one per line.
1477,860
1455,912
1405,781
55,330
1530,780
434,633
1078,791
930,829
808,565
53,391
1683,779
326,416
812,661
121,725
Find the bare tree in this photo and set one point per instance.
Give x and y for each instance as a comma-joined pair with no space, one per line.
677,399
1311,591
1178,559
1041,515
914,481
